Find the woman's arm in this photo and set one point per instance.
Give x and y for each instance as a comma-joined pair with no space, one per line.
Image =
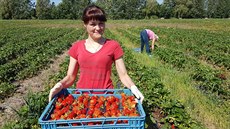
153,43
126,80
122,72
69,79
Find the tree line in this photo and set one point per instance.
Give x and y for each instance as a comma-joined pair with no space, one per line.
115,9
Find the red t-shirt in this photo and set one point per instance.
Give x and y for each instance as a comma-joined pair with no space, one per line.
95,68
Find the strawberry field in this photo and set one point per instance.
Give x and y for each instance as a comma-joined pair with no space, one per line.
186,83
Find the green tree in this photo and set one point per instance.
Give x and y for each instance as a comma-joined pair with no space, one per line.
16,9
108,6
196,9
54,11
217,8
183,8
152,8
43,9
72,9
210,8
223,9
180,9
22,9
167,8
6,9
122,9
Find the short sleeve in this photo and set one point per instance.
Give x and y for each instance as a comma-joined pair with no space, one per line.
74,50
150,33
118,52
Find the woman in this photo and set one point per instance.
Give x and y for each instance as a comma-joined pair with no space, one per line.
147,35
93,58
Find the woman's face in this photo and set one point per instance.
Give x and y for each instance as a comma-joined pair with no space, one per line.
95,29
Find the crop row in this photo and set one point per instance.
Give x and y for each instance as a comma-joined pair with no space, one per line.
149,80
208,80
156,95
35,59
15,34
212,47
16,48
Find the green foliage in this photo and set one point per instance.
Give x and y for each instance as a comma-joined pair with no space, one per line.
16,9
71,9
156,96
32,51
116,9
122,9
151,9
181,49
43,9
29,113
218,8
208,80
6,89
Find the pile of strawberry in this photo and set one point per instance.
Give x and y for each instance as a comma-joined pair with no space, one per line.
96,106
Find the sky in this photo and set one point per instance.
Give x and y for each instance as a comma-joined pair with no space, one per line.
58,1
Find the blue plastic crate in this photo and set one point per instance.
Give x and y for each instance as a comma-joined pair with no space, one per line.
133,122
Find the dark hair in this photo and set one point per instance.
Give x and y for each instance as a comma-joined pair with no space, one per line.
93,12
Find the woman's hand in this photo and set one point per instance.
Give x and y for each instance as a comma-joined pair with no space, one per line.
56,89
137,93
152,47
